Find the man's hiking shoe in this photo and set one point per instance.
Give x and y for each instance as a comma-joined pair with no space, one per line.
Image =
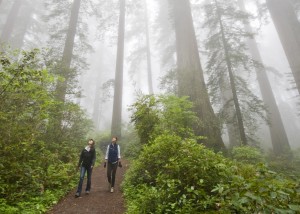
112,189
77,195
87,192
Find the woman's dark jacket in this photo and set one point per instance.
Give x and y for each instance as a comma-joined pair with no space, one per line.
87,158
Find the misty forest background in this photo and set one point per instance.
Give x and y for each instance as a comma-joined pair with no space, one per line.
203,95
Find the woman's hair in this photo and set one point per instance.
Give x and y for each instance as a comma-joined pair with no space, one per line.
92,141
115,137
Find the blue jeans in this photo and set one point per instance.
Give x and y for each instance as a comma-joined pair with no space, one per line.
89,180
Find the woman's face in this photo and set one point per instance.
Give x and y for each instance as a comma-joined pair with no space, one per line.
90,143
113,140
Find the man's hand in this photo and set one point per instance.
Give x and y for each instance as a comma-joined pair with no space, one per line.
104,164
120,165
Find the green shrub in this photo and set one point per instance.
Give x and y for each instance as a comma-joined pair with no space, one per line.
181,171
173,175
38,153
247,154
289,165
132,150
154,115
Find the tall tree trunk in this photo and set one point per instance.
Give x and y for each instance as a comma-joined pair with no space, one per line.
118,92
232,82
149,69
232,128
68,51
11,20
288,28
96,109
278,134
190,74
27,17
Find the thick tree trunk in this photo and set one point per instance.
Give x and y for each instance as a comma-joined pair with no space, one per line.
10,22
68,51
288,28
149,69
118,92
190,74
278,134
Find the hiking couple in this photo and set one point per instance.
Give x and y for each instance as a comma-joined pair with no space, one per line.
87,161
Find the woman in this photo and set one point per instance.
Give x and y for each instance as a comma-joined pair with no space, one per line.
112,160
86,164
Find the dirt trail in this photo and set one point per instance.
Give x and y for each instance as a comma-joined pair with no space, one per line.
100,200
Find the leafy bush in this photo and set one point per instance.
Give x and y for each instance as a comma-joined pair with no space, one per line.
247,154
153,115
182,172
288,164
133,149
175,175
37,158
263,191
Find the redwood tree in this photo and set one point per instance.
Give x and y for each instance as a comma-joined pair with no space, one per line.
118,91
278,134
190,74
288,28
227,62
68,51
10,21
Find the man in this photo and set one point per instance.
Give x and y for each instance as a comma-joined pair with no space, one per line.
112,161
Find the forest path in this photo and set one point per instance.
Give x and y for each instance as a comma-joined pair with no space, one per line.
100,200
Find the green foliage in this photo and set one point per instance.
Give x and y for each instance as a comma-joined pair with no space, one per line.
179,173
130,143
175,175
288,164
153,115
227,52
133,149
102,140
247,154
262,191
37,158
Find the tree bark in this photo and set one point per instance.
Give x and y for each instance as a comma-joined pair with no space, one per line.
149,69
68,51
232,82
277,131
27,17
190,74
288,29
232,128
118,91
10,22
96,109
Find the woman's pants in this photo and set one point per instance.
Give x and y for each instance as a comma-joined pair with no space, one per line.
82,174
111,173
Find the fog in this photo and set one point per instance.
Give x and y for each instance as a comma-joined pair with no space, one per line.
44,24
